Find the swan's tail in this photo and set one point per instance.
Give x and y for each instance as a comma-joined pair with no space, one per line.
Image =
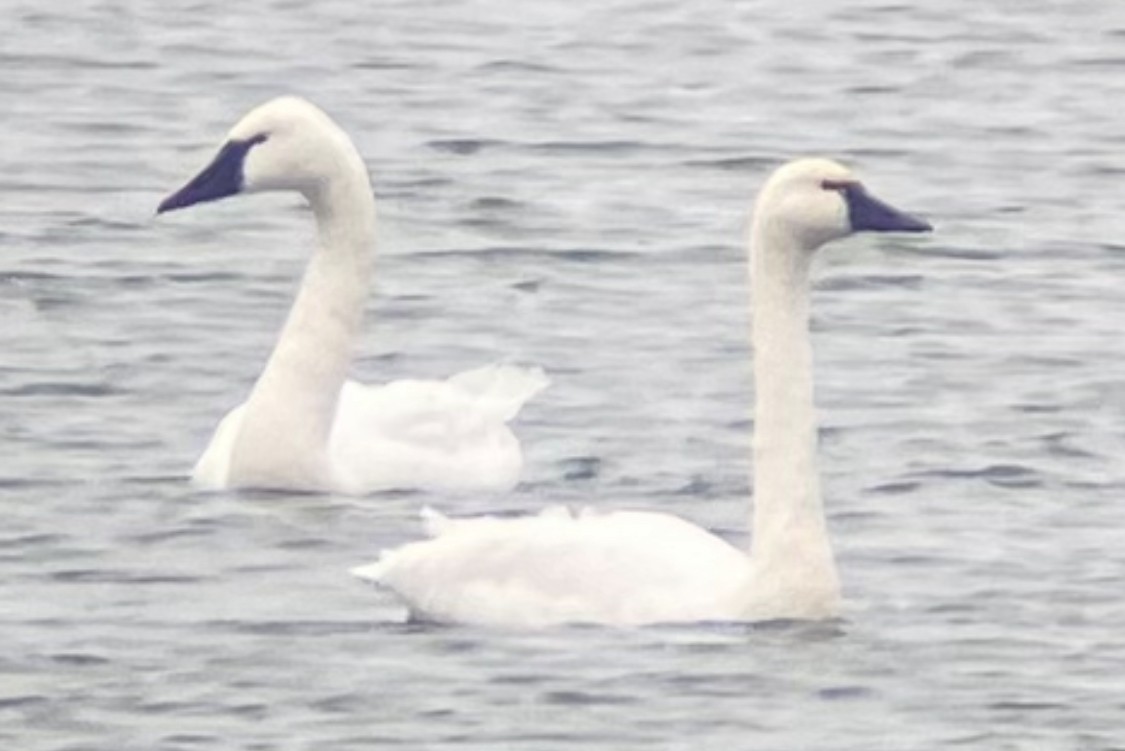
500,388
372,572
435,524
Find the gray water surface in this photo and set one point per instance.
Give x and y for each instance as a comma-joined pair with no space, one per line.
566,184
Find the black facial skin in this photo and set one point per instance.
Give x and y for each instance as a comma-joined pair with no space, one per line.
866,213
219,179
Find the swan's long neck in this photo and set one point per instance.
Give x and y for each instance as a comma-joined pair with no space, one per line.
792,556
285,431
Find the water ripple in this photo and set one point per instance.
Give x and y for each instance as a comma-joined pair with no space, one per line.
566,184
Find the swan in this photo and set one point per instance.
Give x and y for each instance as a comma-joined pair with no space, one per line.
627,568
305,426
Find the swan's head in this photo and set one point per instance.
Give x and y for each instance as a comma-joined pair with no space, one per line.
816,201
285,144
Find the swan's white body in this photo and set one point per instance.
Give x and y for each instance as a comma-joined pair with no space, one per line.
625,567
304,425
628,568
438,435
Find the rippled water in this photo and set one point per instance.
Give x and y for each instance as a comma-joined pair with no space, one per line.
567,185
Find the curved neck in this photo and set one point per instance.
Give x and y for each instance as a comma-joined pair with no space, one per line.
790,542
291,410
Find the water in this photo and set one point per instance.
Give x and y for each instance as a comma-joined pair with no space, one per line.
567,185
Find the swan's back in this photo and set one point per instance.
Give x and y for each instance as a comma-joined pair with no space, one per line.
623,568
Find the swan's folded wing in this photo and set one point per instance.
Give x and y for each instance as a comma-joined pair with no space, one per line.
414,409
500,390
621,568
434,434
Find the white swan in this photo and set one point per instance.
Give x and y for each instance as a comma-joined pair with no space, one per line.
631,567
305,426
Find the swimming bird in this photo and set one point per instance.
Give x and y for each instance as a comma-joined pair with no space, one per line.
635,567
305,426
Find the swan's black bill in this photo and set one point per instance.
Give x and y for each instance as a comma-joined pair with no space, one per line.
219,179
868,214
